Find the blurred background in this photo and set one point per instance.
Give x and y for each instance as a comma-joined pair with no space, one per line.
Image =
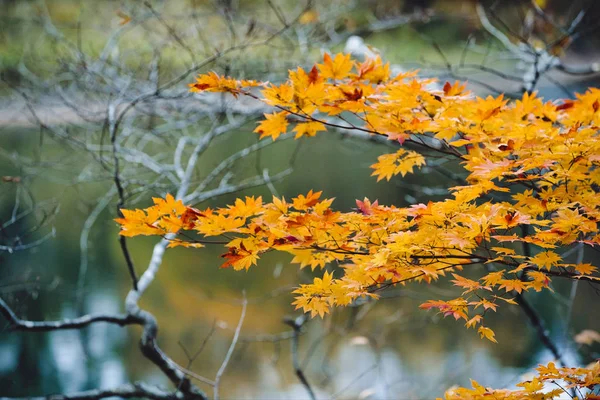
94,89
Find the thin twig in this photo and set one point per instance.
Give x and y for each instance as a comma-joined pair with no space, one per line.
234,341
296,324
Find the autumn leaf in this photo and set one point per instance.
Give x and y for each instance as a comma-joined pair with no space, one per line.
585,269
308,128
240,258
455,89
401,162
546,259
366,207
532,386
487,333
183,243
302,203
471,323
512,284
274,125
337,68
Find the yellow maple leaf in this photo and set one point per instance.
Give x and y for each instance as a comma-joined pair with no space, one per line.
302,203
401,162
281,95
308,128
532,386
183,243
274,125
546,259
336,68
585,269
487,333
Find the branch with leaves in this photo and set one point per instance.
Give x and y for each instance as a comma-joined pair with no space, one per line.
529,163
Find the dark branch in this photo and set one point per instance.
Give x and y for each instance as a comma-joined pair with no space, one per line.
296,325
76,323
539,327
126,391
565,274
148,346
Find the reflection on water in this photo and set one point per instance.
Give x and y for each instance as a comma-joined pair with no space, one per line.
67,352
8,356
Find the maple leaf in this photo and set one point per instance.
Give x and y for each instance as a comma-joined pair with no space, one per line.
274,125
169,205
374,70
471,323
455,308
212,82
488,169
281,95
366,207
183,243
218,224
486,304
337,68
455,89
539,280
503,250
465,283
308,128
400,162
487,333
189,217
546,259
302,203
511,219
512,284
138,222
313,75
239,258
585,269
457,239
245,208
532,386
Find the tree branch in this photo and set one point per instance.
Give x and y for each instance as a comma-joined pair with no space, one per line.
126,391
537,324
296,325
234,341
19,324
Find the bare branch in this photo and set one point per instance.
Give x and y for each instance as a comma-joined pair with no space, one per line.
234,341
296,325
18,324
126,391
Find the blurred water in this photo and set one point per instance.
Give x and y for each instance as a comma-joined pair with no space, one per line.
392,349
